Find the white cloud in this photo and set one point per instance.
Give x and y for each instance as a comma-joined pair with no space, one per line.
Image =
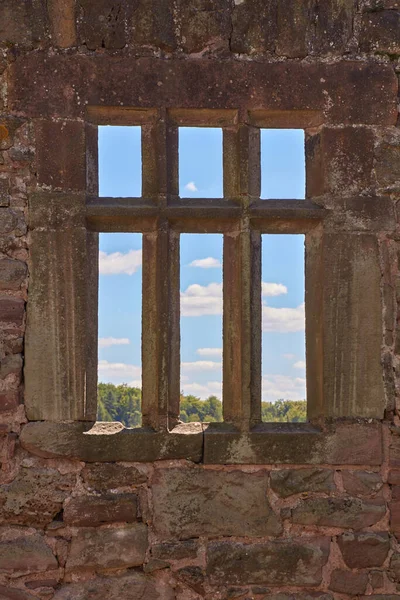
117,262
110,341
204,390
206,263
283,320
191,187
273,289
209,351
289,356
201,365
276,387
118,372
198,300
300,364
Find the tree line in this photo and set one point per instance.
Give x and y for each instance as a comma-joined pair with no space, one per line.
123,403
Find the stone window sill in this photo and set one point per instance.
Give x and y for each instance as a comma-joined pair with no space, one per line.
344,441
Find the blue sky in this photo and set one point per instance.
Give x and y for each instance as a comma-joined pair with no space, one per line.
200,175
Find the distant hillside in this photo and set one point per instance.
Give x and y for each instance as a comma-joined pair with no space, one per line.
123,403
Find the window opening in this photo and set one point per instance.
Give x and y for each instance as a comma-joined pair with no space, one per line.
282,164
201,327
119,344
283,329
200,162
120,161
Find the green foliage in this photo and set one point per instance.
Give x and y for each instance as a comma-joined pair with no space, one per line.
122,403
284,411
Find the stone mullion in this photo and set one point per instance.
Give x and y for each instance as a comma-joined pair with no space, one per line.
242,284
160,312
160,160
160,327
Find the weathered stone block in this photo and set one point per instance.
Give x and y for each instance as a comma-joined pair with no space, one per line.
346,582
4,193
103,24
340,162
293,27
153,24
8,128
336,88
62,22
28,554
22,23
250,35
295,481
12,221
380,32
387,159
56,210
56,353
112,442
236,503
9,593
361,483
11,310
12,274
351,513
364,550
193,577
103,477
290,562
60,154
351,303
91,511
120,547
300,596
175,550
332,26
348,443
205,24
34,497
12,363
127,587
394,572
9,401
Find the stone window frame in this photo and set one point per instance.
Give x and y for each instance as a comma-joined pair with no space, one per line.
69,225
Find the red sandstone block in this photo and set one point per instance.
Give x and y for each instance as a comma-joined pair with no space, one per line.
60,154
22,23
380,32
12,274
103,23
9,401
11,310
340,161
94,510
78,80
364,550
159,31
394,508
346,582
394,477
205,24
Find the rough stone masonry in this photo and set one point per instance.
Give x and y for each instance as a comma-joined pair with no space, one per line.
317,524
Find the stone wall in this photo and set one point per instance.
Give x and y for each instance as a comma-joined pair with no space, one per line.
325,527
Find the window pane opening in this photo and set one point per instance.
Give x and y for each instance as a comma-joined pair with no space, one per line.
200,162
283,329
283,164
201,327
119,344
120,161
